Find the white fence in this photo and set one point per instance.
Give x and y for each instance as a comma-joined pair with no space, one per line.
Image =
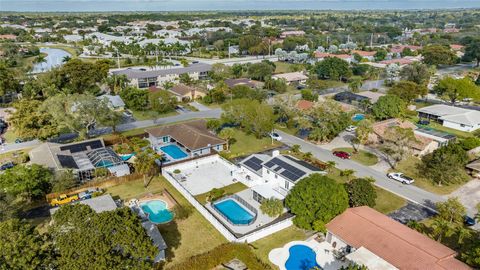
254,236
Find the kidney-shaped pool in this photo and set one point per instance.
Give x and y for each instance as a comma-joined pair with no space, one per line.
301,258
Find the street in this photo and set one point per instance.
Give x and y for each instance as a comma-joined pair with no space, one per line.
409,192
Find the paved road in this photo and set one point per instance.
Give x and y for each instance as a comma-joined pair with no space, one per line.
213,113
411,193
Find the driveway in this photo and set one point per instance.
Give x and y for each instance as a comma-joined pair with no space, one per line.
199,107
411,211
469,196
411,193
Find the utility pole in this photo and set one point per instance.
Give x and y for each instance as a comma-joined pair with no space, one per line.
371,40
118,57
228,50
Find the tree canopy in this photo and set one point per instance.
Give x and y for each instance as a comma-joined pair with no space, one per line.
438,55
389,106
361,192
445,165
106,240
253,116
333,68
27,182
408,90
453,90
315,200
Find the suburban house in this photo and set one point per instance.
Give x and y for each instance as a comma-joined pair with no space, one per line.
243,81
114,102
452,117
147,78
373,96
274,176
184,92
474,168
350,98
370,56
83,158
320,56
292,77
398,49
184,140
366,237
423,145
285,34
105,203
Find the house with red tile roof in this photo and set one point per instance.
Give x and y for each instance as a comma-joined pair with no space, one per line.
320,56
365,54
8,37
370,238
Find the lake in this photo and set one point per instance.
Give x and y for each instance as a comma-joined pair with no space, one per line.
53,59
233,5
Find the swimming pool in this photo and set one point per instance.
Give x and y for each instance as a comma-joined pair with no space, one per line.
301,257
358,117
234,212
173,151
157,211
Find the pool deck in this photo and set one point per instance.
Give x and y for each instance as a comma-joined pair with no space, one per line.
324,254
163,197
261,219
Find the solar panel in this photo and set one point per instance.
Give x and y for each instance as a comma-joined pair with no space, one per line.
270,163
80,147
254,163
67,161
290,172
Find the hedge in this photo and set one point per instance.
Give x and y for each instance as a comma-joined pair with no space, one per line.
223,254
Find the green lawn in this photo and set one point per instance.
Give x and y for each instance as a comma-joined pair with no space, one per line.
387,202
246,144
409,166
10,135
282,67
230,189
149,115
263,246
362,157
437,126
291,131
187,237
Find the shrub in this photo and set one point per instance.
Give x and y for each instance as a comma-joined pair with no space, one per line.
176,171
215,194
470,143
272,207
360,192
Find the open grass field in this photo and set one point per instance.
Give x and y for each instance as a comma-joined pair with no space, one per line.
149,115
185,237
388,202
362,157
409,166
246,144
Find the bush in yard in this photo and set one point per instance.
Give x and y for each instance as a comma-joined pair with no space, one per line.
215,194
315,200
361,192
272,207
176,171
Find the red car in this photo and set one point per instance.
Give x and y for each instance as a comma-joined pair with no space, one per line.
342,154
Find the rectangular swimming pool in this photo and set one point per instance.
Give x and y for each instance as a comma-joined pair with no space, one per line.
234,212
173,151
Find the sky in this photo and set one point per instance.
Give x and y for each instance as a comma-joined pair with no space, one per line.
192,5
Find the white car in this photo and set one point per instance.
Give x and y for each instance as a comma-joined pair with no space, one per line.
351,128
401,178
275,136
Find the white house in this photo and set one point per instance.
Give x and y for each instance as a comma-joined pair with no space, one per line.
292,77
274,176
452,117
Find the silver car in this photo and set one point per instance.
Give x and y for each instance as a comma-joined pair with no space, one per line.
401,178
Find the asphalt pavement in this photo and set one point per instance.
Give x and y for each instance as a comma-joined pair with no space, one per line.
408,192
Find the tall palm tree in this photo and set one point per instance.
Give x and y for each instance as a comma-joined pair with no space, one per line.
347,173
441,228
145,164
227,134
462,233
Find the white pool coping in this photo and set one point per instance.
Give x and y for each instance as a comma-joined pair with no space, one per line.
324,255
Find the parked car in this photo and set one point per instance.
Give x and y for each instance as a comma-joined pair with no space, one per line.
469,221
342,154
423,122
300,87
401,178
275,136
7,165
128,113
63,199
88,194
351,128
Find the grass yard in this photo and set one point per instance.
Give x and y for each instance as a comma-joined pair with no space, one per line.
187,237
291,131
149,115
230,189
388,202
409,166
263,246
10,136
434,125
362,157
246,144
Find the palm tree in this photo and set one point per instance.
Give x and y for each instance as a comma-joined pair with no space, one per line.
347,173
145,164
66,59
462,233
415,225
330,165
307,156
295,148
227,134
441,228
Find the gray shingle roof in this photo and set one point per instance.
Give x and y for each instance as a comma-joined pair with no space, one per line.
138,74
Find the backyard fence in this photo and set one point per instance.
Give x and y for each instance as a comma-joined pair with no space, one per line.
251,237
102,183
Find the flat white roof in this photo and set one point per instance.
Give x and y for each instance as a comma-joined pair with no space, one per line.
267,191
453,114
363,256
